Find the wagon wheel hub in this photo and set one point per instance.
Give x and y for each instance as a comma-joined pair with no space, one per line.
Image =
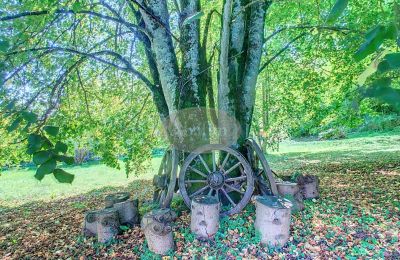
216,180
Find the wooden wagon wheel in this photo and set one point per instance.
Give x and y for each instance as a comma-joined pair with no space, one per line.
165,181
263,173
219,171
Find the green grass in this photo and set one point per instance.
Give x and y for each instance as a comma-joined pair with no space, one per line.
19,186
357,148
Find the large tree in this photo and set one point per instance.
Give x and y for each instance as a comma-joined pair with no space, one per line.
200,60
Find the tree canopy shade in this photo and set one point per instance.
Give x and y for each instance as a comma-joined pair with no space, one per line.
96,64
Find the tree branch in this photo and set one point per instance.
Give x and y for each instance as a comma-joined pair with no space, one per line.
95,55
319,27
280,52
129,25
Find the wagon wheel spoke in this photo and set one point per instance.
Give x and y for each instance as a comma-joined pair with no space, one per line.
240,178
232,168
217,195
225,160
197,171
196,181
213,162
204,163
199,191
234,188
228,197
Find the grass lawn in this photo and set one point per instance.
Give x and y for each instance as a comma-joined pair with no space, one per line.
356,217
19,186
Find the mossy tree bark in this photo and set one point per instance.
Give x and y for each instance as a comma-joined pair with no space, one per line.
185,85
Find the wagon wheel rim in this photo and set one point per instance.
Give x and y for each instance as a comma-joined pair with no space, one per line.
215,178
167,173
265,175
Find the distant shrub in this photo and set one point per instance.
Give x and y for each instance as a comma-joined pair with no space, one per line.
82,155
333,133
380,123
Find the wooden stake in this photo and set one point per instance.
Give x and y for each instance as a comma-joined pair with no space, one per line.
273,220
158,231
205,217
107,224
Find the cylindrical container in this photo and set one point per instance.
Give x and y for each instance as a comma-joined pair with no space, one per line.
205,216
157,229
273,220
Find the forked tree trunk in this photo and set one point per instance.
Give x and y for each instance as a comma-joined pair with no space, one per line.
205,216
273,220
128,212
185,85
158,230
107,224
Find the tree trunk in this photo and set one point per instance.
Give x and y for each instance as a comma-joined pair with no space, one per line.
273,220
90,224
107,225
111,199
128,212
309,186
291,191
205,217
158,231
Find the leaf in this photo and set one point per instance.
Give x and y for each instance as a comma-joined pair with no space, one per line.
337,11
76,7
192,18
29,116
35,142
390,62
51,130
67,159
382,90
46,168
10,106
4,45
14,124
61,147
42,157
123,228
373,41
63,176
